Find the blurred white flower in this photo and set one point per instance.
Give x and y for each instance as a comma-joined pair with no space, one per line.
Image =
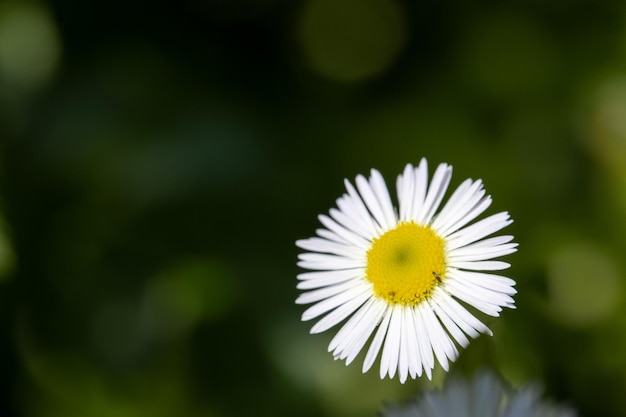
485,395
403,270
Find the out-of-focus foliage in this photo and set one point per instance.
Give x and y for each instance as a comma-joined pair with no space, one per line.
158,161
7,256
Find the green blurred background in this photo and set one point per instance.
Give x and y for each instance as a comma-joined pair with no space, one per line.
159,159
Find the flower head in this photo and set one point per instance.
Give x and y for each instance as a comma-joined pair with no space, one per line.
485,395
400,273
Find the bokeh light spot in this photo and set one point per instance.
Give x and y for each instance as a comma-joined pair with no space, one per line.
606,132
583,284
352,40
7,255
608,122
190,291
29,45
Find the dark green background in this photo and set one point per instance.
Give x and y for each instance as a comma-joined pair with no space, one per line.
159,159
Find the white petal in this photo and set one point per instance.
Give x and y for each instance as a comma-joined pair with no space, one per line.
470,324
340,313
479,293
443,347
332,236
490,242
371,201
344,335
480,254
326,292
478,230
464,216
364,332
321,261
382,195
491,281
426,351
436,191
335,301
391,350
487,300
318,244
473,298
403,361
331,279
480,265
457,201
360,209
349,216
421,186
470,215
374,348
405,187
467,203
345,234
415,361
452,328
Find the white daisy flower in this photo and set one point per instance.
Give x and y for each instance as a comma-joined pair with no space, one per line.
401,273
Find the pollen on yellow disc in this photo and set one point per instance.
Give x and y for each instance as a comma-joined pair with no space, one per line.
406,263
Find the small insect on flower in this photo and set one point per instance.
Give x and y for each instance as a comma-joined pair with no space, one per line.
401,274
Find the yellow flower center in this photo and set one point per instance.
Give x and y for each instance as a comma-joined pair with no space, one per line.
406,263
